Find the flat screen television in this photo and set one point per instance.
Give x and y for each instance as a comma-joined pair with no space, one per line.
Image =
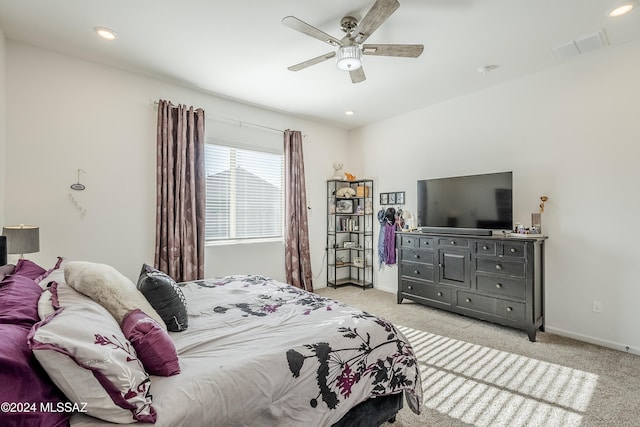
471,204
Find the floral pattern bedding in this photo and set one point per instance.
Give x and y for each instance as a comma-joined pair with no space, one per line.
262,353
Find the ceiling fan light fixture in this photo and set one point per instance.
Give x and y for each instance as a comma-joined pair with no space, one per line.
348,58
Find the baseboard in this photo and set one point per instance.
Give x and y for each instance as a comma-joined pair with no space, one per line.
592,340
390,290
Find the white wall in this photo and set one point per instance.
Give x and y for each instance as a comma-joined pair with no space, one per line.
571,133
3,86
66,114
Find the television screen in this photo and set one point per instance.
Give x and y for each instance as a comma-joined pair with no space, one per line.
472,201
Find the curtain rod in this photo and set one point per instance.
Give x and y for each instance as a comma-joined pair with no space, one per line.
227,119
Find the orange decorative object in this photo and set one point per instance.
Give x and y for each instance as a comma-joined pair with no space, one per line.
349,176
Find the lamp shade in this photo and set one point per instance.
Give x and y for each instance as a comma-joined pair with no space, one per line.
348,58
22,239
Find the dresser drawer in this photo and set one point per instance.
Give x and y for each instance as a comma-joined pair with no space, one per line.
430,292
510,310
476,302
426,243
513,249
485,248
416,255
496,307
409,241
453,242
417,271
501,266
501,286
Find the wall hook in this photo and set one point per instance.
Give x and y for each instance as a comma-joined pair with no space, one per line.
77,185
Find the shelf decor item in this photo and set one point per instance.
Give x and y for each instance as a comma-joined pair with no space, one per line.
344,206
350,233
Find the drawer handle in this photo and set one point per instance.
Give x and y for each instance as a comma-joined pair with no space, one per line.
453,242
439,294
484,248
416,256
410,287
498,267
440,265
509,309
416,271
468,299
512,250
499,285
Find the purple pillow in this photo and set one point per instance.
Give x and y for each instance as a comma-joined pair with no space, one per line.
24,380
6,270
153,345
19,301
28,268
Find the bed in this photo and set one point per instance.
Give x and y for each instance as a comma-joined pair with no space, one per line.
252,352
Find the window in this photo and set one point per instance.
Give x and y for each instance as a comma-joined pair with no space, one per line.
245,193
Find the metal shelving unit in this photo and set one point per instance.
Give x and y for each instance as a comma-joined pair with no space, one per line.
350,233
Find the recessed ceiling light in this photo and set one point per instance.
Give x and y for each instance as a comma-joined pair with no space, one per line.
349,113
623,8
486,69
106,33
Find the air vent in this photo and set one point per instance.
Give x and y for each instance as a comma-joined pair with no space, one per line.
581,45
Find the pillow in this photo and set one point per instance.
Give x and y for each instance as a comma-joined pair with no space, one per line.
153,344
24,381
86,355
42,279
108,287
56,275
6,270
45,305
165,296
19,301
28,268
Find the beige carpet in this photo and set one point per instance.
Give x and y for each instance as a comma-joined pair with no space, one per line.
476,373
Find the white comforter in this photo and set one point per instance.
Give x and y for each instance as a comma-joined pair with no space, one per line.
262,353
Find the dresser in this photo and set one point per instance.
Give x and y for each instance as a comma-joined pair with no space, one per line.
494,278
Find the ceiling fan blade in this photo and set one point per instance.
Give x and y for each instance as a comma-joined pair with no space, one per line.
405,50
310,62
357,76
379,12
298,25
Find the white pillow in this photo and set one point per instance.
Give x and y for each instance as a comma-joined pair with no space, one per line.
86,355
109,288
45,307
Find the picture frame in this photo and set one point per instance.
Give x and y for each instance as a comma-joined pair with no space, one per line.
392,198
383,198
400,197
344,206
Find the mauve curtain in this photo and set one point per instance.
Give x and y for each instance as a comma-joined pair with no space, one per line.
180,207
296,241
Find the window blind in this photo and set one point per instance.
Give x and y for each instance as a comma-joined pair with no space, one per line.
245,192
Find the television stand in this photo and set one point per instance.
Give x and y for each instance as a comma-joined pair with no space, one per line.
456,230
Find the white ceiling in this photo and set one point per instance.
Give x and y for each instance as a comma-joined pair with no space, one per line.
239,49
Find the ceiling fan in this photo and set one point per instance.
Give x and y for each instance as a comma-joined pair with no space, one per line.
351,47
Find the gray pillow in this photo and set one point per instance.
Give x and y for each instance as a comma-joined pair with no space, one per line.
165,297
